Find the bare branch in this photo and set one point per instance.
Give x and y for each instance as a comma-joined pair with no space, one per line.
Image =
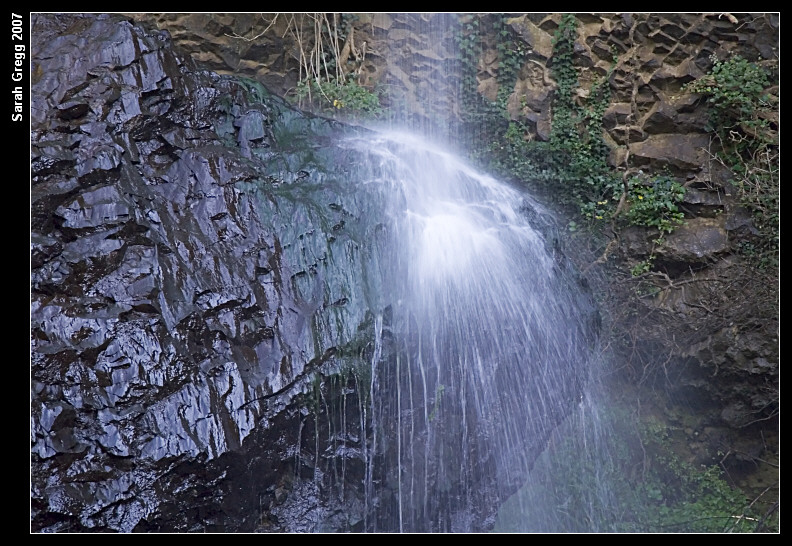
257,36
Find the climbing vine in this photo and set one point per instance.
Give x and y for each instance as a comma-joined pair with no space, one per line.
468,42
744,119
482,120
511,55
655,204
579,151
495,141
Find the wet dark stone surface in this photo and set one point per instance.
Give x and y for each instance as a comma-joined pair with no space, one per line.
180,296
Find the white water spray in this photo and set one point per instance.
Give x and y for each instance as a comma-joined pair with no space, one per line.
491,338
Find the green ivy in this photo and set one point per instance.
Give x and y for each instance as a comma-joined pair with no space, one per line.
741,110
511,56
468,42
655,203
580,152
485,122
642,267
736,91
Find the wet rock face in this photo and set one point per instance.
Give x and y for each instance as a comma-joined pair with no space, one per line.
206,284
651,126
178,305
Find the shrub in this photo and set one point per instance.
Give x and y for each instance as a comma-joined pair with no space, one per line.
346,99
743,116
654,203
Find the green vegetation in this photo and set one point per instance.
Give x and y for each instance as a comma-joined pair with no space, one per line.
642,267
345,99
579,153
468,41
572,166
654,204
744,117
511,55
618,472
494,140
329,67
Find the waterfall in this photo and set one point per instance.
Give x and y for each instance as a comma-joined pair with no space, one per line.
248,317
490,336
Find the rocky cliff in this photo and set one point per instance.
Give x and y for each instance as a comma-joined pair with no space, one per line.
206,307
704,327
175,308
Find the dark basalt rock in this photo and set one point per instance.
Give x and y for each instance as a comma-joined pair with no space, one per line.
180,295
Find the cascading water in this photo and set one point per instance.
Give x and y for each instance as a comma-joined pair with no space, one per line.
241,319
490,337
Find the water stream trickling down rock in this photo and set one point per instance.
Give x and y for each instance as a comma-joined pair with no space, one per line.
491,339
